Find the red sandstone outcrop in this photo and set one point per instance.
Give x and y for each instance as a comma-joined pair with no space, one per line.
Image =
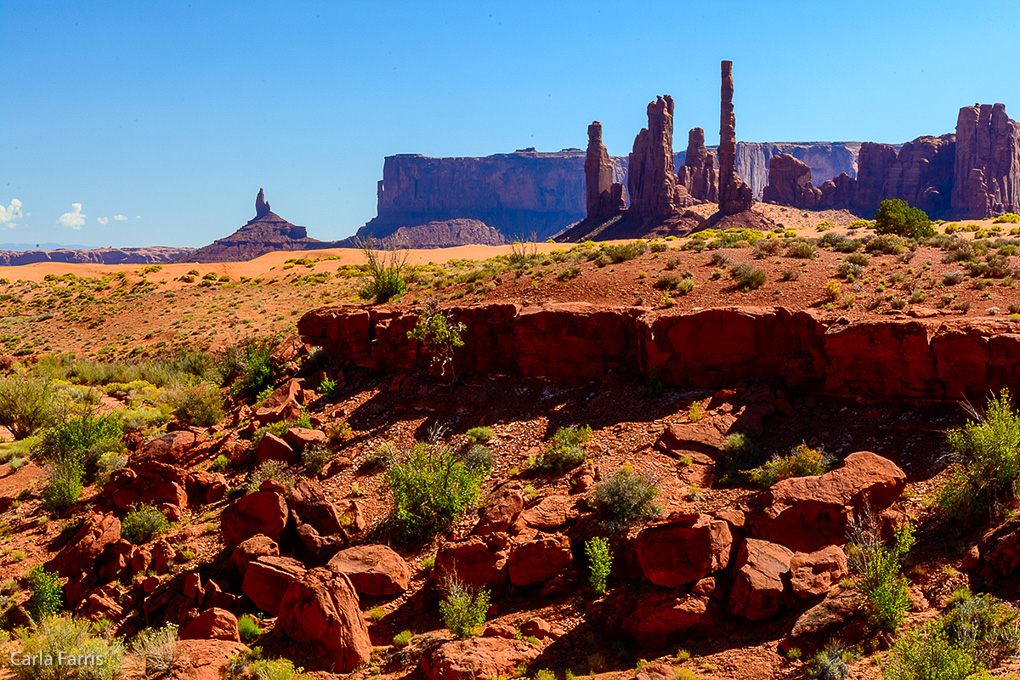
699,174
684,549
790,183
373,570
148,255
651,179
987,164
734,195
446,233
262,512
477,657
604,197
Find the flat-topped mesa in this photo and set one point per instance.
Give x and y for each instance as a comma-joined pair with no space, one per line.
651,180
734,196
605,198
700,172
987,164
261,207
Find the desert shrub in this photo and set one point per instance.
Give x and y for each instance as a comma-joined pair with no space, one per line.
986,448
1008,218
721,259
747,276
570,272
47,595
141,418
329,388
26,404
801,462
673,263
801,249
438,333
196,404
927,654
831,290
403,638
860,224
626,497
431,489
479,435
952,278
64,486
385,270
567,448
63,634
479,457
107,463
143,523
983,624
897,217
219,463
248,628
600,563
81,439
275,470
157,647
254,366
766,247
463,608
316,456
621,252
879,576
738,455
886,244
832,662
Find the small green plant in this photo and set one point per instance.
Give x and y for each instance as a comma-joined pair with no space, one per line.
600,563
385,270
56,635
431,489
479,457
402,639
803,461
694,412
316,456
626,497
377,613
196,405
463,608
439,334
831,663
248,628
747,276
219,463
479,435
275,669
157,647
925,653
275,470
26,404
879,577
143,523
47,594
64,487
567,448
255,368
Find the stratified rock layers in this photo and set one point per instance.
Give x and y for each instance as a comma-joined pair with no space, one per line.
734,195
605,197
987,165
651,179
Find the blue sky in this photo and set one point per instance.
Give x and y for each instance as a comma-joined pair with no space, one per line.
171,115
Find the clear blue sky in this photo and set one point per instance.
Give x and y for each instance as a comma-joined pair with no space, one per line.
173,114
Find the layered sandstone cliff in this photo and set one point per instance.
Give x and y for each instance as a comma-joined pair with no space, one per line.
149,255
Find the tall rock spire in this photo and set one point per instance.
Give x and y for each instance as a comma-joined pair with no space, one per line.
651,179
605,198
261,207
734,195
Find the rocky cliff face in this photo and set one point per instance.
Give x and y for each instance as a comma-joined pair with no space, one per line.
734,194
651,176
987,162
605,197
150,255
446,233
827,160
698,169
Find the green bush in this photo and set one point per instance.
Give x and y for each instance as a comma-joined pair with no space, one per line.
81,439
385,270
275,470
26,404
402,639
626,497
1008,218
600,563
479,457
47,594
64,487
621,252
802,462
439,334
567,448
275,669
897,217
747,276
143,523
831,663
879,577
801,249
739,454
927,654
329,388
479,435
73,637
157,647
982,624
196,405
256,370
316,456
431,490
987,449
463,609
248,628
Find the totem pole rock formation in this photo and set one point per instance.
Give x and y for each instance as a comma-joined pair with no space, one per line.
651,179
261,207
700,172
734,195
605,198
987,165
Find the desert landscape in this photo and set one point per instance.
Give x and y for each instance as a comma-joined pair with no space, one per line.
737,410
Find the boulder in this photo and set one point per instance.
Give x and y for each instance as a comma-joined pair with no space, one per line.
478,561
262,512
272,447
707,435
500,510
322,610
267,579
312,507
535,561
283,404
205,487
477,657
302,437
761,577
173,448
685,550
212,624
146,482
551,512
205,659
251,549
814,574
656,671
662,618
374,570
82,552
808,513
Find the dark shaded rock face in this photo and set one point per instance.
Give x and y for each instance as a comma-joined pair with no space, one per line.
699,174
604,197
446,233
827,160
651,179
266,233
987,164
790,183
734,195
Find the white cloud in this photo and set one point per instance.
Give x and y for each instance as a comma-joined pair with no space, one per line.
10,213
138,217
103,220
120,218
74,219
